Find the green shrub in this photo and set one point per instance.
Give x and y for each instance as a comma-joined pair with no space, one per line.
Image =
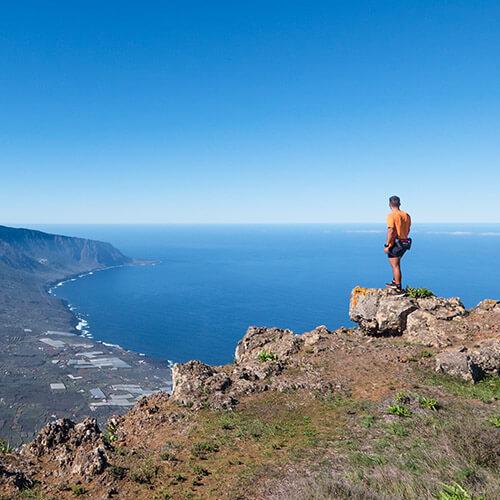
202,449
399,410
428,403
426,354
398,429
402,397
200,471
494,420
77,489
264,356
117,471
145,473
453,492
419,293
110,434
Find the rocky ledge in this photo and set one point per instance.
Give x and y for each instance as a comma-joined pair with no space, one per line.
361,361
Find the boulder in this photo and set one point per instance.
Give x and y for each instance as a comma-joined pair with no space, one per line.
458,363
281,344
487,305
422,327
424,321
380,312
471,364
487,356
78,449
196,385
442,308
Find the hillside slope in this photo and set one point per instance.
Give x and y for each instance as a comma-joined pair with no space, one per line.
405,406
36,252
30,260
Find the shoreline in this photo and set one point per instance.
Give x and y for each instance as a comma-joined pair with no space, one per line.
80,323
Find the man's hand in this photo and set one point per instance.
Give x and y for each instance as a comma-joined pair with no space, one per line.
386,249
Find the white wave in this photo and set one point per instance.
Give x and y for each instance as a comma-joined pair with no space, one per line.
112,345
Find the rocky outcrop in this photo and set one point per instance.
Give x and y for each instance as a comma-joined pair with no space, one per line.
424,321
380,312
196,385
78,450
471,364
261,357
14,478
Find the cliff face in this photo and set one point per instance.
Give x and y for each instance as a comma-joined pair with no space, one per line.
29,260
404,406
36,252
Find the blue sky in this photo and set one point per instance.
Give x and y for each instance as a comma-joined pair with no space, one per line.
263,111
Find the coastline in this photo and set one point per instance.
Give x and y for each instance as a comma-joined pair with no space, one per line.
52,367
81,324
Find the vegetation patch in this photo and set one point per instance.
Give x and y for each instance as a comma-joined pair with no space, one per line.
399,410
486,390
264,356
5,446
145,472
419,293
494,420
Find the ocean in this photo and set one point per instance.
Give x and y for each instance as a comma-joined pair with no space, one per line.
213,281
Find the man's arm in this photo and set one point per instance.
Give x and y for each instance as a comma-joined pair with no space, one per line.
391,236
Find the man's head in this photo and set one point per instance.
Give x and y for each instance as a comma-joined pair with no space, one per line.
394,202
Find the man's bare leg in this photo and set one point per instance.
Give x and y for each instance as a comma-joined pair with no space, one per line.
396,269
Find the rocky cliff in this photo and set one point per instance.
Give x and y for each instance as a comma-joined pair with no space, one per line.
30,260
36,252
403,406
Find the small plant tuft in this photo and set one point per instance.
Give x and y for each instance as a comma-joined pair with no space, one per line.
77,489
494,420
428,403
145,473
399,410
453,492
5,446
110,434
202,449
117,472
265,356
419,293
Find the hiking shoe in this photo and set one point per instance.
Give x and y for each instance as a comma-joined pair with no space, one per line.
393,286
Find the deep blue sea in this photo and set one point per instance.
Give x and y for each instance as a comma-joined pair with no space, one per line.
216,280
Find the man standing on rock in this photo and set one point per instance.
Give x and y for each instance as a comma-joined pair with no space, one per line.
398,242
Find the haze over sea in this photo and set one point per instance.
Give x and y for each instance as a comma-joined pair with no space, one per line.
214,281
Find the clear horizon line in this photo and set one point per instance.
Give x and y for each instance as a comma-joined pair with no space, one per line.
221,223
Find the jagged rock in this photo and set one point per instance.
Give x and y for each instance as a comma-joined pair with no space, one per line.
487,305
380,312
442,308
314,338
471,365
487,356
14,477
196,384
423,321
79,449
424,328
279,345
278,342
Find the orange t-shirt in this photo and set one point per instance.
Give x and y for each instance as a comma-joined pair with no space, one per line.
401,222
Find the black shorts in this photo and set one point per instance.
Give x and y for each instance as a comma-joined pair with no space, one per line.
399,248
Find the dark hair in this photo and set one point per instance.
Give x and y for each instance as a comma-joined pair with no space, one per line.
394,201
